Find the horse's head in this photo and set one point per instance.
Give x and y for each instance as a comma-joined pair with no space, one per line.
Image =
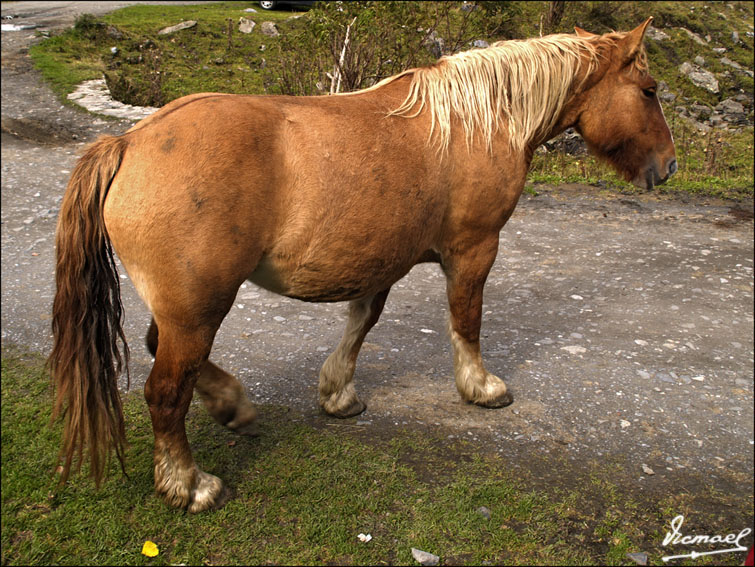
619,114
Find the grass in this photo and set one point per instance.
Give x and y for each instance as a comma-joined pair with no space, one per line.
717,164
302,492
205,58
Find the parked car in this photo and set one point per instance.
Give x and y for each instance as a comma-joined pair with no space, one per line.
277,4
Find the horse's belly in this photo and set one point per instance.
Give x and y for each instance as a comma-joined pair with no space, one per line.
329,279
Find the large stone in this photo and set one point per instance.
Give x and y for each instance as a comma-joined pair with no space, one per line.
730,106
177,27
656,34
269,29
95,97
700,111
246,25
700,77
424,558
693,36
735,65
732,112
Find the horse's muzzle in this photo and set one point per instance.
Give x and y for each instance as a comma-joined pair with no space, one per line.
651,177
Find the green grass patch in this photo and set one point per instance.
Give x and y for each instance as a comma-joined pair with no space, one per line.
152,69
302,492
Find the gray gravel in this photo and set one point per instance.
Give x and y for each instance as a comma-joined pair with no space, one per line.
623,326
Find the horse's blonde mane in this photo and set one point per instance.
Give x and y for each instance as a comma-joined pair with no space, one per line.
521,85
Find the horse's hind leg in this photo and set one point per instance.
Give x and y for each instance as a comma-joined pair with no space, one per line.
222,394
180,355
337,394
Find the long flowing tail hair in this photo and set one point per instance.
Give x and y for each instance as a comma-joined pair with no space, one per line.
86,360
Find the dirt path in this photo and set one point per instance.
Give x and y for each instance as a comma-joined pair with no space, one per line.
623,325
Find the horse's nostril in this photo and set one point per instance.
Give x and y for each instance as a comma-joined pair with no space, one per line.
672,167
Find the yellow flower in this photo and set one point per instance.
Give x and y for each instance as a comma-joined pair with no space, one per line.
150,549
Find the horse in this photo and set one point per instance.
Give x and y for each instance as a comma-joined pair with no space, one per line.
322,199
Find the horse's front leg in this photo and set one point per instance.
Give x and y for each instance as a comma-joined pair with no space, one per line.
466,270
337,394
181,354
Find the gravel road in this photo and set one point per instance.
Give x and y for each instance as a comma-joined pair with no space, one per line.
622,324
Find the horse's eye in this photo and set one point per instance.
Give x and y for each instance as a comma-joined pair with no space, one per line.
649,92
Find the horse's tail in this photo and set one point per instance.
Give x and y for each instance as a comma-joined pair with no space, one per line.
86,362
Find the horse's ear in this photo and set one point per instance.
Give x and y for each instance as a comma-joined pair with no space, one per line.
582,33
633,40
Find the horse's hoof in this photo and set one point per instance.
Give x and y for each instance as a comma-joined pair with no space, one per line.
249,429
245,420
356,407
207,493
499,402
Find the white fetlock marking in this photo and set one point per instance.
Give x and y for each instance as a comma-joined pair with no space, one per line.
337,392
474,383
205,493
340,401
172,481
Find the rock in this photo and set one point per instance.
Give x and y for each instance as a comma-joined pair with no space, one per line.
114,33
246,25
700,110
667,97
719,50
425,558
656,34
269,29
639,558
730,63
177,27
435,44
569,142
484,512
647,470
480,43
693,36
574,349
735,36
664,94
716,120
735,65
730,106
700,77
95,97
699,60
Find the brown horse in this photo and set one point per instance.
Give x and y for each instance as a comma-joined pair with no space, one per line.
329,198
